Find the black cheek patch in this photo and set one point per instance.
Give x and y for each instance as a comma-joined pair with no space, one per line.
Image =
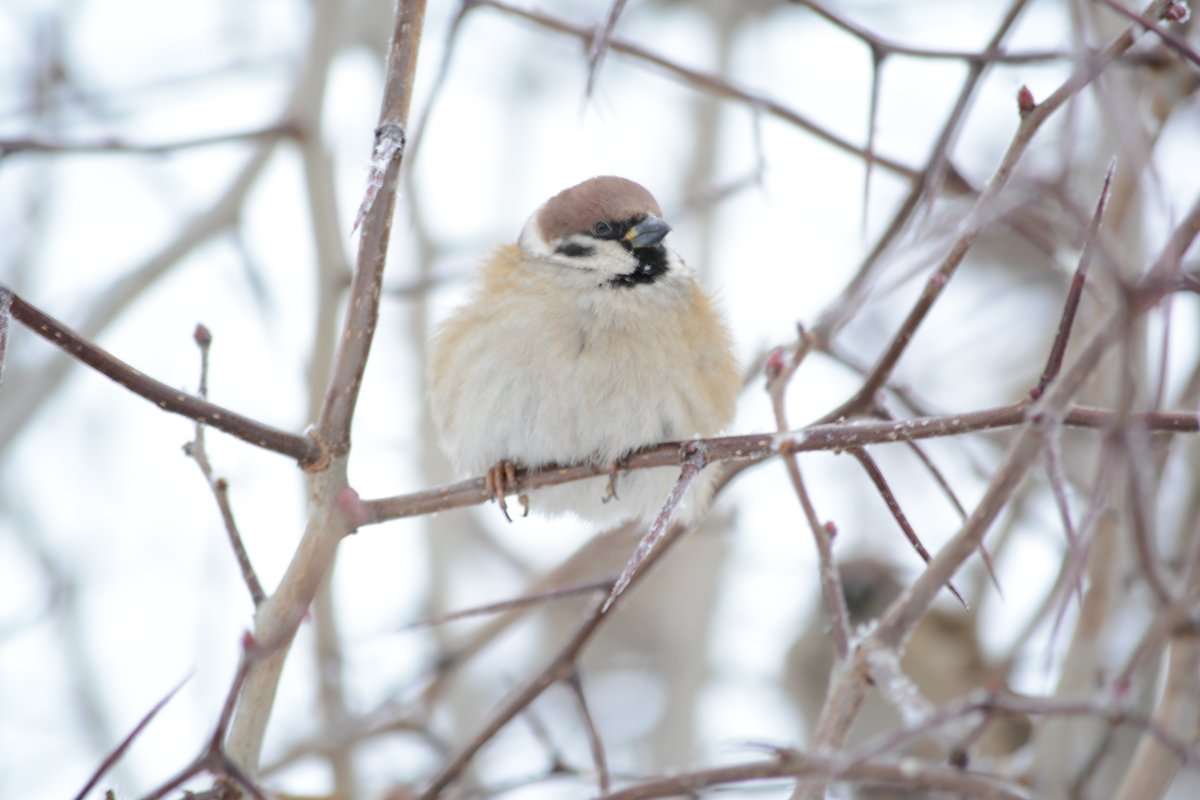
574,250
652,265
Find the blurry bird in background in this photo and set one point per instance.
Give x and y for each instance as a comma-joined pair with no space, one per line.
943,658
584,341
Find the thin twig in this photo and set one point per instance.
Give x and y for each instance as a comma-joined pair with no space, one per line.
536,598
1175,42
219,486
560,667
1027,127
909,773
595,743
779,372
989,55
694,460
32,144
930,178
600,44
115,756
881,485
712,84
1075,293
302,448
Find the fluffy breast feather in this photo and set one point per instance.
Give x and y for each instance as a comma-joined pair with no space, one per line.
532,371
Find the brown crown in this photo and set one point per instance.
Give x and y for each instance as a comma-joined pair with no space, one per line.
606,198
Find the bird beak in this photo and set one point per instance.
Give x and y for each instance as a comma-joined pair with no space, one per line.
649,231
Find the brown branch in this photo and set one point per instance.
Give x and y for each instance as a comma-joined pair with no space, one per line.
604,584
754,448
948,490
1075,293
848,689
712,84
333,427
219,486
32,144
989,55
791,764
560,667
930,177
600,44
889,498
1011,704
1028,126
119,751
214,759
334,509
779,372
694,458
595,743
219,216
302,448
1176,43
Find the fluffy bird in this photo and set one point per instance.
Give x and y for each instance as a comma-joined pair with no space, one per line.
583,342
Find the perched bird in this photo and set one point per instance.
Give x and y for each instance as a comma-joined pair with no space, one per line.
582,342
943,658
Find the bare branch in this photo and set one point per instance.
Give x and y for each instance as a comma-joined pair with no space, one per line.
333,428
909,773
119,751
976,220
754,448
219,486
1066,323
712,84
595,743
535,598
302,448
881,485
694,460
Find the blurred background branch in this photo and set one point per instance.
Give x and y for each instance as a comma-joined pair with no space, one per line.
913,183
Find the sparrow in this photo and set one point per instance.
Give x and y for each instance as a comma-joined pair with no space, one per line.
583,342
944,658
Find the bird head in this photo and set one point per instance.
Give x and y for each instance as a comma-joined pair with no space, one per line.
607,226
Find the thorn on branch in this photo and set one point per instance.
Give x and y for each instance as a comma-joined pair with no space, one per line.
1075,293
604,584
695,456
885,491
120,749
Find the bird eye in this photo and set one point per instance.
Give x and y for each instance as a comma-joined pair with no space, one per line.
602,229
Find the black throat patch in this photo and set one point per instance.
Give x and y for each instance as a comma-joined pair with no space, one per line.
652,265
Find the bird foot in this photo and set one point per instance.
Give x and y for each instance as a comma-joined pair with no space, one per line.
500,480
614,472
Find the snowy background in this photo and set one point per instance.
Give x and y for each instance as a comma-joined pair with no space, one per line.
120,217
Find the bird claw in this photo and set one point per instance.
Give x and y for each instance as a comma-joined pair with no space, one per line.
499,479
614,472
